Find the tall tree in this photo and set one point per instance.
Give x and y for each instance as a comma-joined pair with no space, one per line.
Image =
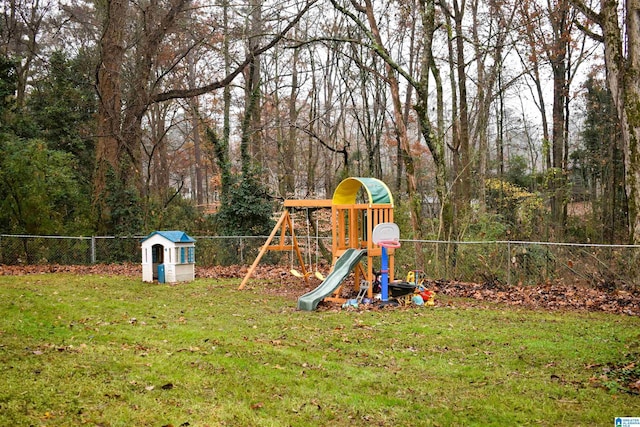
433,136
369,103
622,60
530,57
109,80
251,126
460,141
551,36
376,43
558,55
195,135
490,52
600,162
123,107
292,131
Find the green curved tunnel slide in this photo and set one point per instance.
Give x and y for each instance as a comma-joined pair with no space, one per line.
341,270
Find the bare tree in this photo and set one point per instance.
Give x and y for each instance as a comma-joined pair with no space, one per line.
551,37
460,143
123,107
392,70
490,53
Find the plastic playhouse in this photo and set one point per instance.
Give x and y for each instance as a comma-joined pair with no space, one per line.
168,257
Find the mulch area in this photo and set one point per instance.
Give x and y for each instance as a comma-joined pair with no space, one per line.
548,296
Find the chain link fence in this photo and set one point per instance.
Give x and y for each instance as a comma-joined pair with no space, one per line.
607,267
65,250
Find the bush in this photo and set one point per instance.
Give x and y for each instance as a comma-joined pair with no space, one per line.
520,208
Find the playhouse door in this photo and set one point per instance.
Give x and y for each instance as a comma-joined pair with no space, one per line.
161,276
157,251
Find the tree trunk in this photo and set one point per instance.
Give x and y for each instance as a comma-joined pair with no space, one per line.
558,57
465,172
108,117
222,148
434,140
485,87
627,100
624,84
195,134
252,127
291,139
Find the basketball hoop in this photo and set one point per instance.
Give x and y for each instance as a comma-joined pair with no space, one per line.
389,244
387,236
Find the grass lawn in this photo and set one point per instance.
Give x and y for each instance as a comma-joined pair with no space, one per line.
113,351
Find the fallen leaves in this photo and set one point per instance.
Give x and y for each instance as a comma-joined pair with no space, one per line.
547,296
56,348
623,376
98,269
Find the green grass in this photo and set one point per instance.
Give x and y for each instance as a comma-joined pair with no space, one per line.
112,351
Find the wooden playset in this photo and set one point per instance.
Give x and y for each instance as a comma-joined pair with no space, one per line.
357,207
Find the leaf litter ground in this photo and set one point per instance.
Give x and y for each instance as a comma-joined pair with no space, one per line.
277,280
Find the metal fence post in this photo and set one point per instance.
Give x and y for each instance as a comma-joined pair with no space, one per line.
508,263
93,249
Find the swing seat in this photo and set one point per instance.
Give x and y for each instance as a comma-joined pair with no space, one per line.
298,274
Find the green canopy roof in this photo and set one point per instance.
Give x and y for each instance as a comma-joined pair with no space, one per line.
347,191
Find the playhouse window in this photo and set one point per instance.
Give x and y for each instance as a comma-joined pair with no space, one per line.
187,255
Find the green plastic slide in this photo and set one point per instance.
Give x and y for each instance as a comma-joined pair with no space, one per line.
341,270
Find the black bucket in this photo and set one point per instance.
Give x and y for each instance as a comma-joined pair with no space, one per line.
400,289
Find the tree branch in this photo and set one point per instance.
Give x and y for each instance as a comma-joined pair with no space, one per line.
188,93
597,37
379,50
343,151
587,11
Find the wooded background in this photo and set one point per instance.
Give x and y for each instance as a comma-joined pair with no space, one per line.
503,120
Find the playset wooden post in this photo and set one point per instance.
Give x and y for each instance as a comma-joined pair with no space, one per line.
284,224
